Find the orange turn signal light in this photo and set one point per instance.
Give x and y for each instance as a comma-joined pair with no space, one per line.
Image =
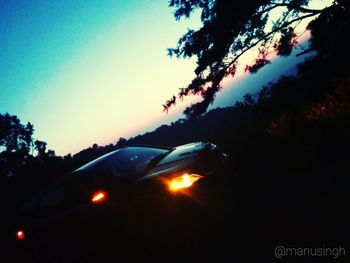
99,197
183,181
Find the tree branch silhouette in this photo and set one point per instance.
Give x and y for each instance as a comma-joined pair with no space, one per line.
229,31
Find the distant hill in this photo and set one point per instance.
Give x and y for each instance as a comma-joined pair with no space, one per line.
218,126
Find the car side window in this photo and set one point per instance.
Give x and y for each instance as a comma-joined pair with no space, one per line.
127,163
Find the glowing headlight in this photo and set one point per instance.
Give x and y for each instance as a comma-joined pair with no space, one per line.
183,181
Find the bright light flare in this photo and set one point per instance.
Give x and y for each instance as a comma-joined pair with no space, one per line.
183,181
99,197
20,234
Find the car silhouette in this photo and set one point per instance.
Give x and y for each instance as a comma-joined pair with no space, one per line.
118,188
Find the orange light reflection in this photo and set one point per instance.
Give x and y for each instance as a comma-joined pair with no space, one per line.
99,197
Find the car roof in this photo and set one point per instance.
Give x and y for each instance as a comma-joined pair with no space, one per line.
147,146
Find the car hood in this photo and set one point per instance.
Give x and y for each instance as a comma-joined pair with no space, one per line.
183,152
179,158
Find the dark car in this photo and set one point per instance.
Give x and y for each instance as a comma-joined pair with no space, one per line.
131,186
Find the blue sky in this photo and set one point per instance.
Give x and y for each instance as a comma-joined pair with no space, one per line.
88,71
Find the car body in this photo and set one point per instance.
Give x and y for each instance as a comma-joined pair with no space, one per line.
125,184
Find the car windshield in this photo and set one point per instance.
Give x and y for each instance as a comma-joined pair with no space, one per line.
127,161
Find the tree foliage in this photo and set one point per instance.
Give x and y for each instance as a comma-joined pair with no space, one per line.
17,145
229,30
40,147
15,136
